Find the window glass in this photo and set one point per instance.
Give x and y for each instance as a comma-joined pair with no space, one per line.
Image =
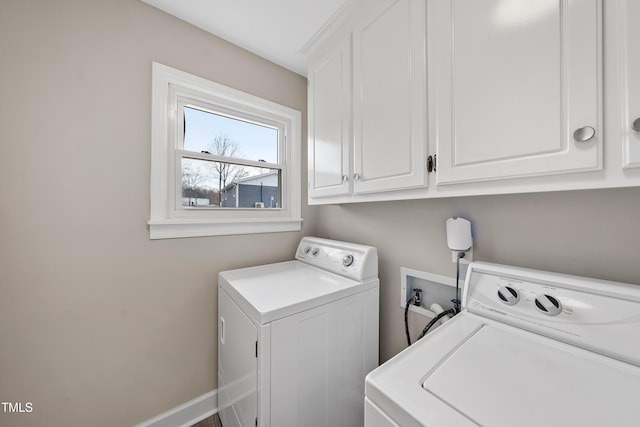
208,184
218,134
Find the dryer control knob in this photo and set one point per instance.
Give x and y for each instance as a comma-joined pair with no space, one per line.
549,305
508,295
347,260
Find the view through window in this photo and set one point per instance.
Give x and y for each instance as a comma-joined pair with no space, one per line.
228,162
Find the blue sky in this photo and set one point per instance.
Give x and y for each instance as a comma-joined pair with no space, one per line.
255,142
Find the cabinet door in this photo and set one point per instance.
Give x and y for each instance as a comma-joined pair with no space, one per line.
628,13
390,97
516,87
329,123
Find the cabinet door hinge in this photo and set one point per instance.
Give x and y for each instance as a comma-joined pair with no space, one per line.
256,348
256,421
431,163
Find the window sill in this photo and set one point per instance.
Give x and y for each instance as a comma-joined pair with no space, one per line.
179,228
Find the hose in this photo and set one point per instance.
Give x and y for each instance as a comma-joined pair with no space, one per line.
406,318
435,320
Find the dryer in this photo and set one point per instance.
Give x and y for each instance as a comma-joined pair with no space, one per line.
530,348
297,338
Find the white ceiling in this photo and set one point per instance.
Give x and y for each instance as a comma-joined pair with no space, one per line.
273,29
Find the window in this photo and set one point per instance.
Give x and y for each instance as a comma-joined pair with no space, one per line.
223,155
222,161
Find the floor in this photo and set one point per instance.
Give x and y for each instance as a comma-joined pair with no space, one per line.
212,421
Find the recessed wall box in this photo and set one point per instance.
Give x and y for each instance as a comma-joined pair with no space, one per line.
435,289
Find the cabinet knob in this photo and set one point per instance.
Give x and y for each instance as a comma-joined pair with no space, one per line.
345,178
636,125
584,134
356,176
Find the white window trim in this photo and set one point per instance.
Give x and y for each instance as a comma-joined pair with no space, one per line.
166,221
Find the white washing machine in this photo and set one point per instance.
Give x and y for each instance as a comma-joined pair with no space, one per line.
296,339
530,348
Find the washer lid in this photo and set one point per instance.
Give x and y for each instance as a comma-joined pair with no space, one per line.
273,291
505,377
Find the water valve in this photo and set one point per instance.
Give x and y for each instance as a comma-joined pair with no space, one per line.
417,296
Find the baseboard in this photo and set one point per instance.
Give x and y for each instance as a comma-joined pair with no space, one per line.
187,414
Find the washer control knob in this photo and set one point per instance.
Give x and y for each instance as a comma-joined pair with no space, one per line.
548,305
347,260
315,251
306,250
508,295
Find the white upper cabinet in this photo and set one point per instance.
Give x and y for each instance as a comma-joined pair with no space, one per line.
510,95
389,97
629,40
330,123
515,87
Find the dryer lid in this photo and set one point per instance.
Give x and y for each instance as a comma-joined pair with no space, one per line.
273,291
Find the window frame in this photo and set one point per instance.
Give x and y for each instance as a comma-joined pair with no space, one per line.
168,219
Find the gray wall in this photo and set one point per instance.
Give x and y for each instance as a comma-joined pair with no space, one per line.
591,233
99,326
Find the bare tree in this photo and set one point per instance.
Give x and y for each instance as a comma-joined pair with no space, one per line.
192,181
222,145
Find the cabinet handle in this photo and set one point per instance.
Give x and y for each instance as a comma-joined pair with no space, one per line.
636,125
345,178
356,176
584,134
431,163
